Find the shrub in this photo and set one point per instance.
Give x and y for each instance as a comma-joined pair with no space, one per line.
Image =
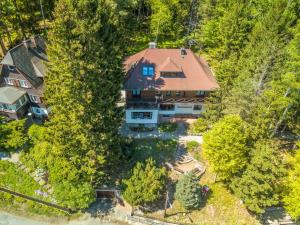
188,192
199,126
167,127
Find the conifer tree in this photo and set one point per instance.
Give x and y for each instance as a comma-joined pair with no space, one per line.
188,192
145,184
259,185
83,86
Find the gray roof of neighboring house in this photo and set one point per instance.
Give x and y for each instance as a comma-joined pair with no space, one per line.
10,95
28,57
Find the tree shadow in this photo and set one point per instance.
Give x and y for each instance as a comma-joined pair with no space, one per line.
101,207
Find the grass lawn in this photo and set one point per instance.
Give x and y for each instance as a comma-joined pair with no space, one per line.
167,127
159,150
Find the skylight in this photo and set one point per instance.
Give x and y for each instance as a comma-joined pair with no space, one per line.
148,71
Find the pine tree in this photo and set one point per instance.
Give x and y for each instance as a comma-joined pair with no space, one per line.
145,184
259,185
225,146
188,192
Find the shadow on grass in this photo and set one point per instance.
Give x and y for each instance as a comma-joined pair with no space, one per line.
101,207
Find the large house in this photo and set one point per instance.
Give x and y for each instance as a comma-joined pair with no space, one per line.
23,68
165,83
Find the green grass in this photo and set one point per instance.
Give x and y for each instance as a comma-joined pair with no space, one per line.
193,147
159,150
167,127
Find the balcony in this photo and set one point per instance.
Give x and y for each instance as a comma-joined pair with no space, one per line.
141,104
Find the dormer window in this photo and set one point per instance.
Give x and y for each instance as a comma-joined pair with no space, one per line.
148,70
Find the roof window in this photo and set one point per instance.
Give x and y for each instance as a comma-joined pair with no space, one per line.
148,70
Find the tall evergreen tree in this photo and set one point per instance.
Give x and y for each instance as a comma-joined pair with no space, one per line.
259,185
83,86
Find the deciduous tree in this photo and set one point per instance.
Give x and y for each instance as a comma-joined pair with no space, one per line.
225,146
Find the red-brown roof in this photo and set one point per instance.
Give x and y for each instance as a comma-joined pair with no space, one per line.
196,74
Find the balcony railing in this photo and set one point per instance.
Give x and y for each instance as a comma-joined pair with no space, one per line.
141,104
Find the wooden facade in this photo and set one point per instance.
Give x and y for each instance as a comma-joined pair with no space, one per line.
150,95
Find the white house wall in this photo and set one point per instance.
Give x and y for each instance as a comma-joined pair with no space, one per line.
154,118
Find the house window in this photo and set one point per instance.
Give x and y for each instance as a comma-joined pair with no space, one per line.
168,93
170,74
9,81
136,92
23,83
148,70
178,93
167,107
197,107
6,107
33,98
200,93
141,115
22,100
151,70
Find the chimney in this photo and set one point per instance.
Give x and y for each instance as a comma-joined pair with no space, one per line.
183,52
152,45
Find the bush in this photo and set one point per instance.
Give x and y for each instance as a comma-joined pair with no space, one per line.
188,192
198,127
167,127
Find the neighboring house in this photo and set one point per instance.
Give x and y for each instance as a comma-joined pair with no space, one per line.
14,103
23,68
165,83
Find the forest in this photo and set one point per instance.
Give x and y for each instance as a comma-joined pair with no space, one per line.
251,127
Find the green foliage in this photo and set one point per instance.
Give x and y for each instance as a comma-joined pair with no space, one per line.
192,146
145,184
199,126
292,197
167,127
14,179
260,183
80,145
188,192
12,134
169,17
159,150
225,147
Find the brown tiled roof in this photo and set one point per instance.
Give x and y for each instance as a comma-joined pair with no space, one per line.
196,74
